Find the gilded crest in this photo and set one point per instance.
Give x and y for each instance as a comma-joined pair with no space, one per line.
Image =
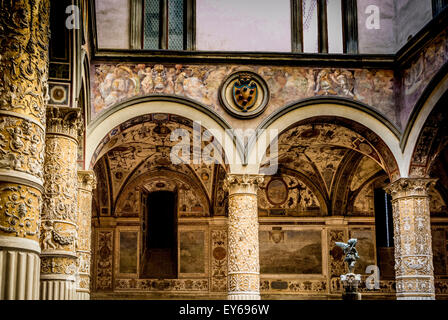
245,92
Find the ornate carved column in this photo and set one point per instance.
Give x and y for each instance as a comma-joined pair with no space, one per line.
412,237
86,183
243,245
24,38
59,230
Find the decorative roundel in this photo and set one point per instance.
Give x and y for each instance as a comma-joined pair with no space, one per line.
277,191
58,94
244,94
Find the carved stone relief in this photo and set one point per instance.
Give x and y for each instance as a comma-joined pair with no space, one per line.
243,245
20,208
21,146
412,238
24,63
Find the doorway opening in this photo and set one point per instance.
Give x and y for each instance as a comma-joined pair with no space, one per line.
160,236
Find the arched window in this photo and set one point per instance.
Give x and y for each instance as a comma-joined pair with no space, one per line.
324,26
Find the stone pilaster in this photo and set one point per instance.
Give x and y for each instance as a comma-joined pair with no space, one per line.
59,230
243,245
86,183
24,39
412,237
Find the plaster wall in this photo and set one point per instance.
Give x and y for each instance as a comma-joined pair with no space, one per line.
382,40
112,22
251,25
411,18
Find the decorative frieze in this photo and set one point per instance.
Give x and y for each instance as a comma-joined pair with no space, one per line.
412,237
243,245
186,285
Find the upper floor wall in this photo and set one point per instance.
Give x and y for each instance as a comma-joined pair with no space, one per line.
310,26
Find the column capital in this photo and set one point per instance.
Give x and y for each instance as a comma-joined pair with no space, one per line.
86,180
410,187
243,183
64,121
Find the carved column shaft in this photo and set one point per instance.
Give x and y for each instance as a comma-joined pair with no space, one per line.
412,237
24,39
243,245
86,182
59,230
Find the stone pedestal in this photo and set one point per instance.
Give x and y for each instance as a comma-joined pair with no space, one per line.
23,97
86,182
412,237
243,245
59,227
350,283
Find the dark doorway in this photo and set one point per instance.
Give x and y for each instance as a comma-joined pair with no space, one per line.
160,254
384,233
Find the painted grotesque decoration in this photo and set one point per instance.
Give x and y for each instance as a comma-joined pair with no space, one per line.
287,196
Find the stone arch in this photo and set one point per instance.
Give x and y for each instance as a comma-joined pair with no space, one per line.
177,178
374,126
424,136
99,129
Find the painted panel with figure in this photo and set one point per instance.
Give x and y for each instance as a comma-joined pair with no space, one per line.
290,251
192,252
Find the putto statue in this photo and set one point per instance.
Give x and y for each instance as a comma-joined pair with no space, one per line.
351,254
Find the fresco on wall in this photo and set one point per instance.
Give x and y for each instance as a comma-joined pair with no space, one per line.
128,252
366,249
115,83
287,196
365,170
439,247
418,75
364,202
101,192
291,252
192,251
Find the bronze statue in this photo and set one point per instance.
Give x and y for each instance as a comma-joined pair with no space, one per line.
351,254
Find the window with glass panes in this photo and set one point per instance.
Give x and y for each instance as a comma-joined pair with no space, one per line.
324,26
165,24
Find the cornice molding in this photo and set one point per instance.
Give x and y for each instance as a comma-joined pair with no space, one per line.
385,61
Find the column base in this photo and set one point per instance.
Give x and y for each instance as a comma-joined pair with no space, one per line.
19,269
82,295
243,296
57,287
